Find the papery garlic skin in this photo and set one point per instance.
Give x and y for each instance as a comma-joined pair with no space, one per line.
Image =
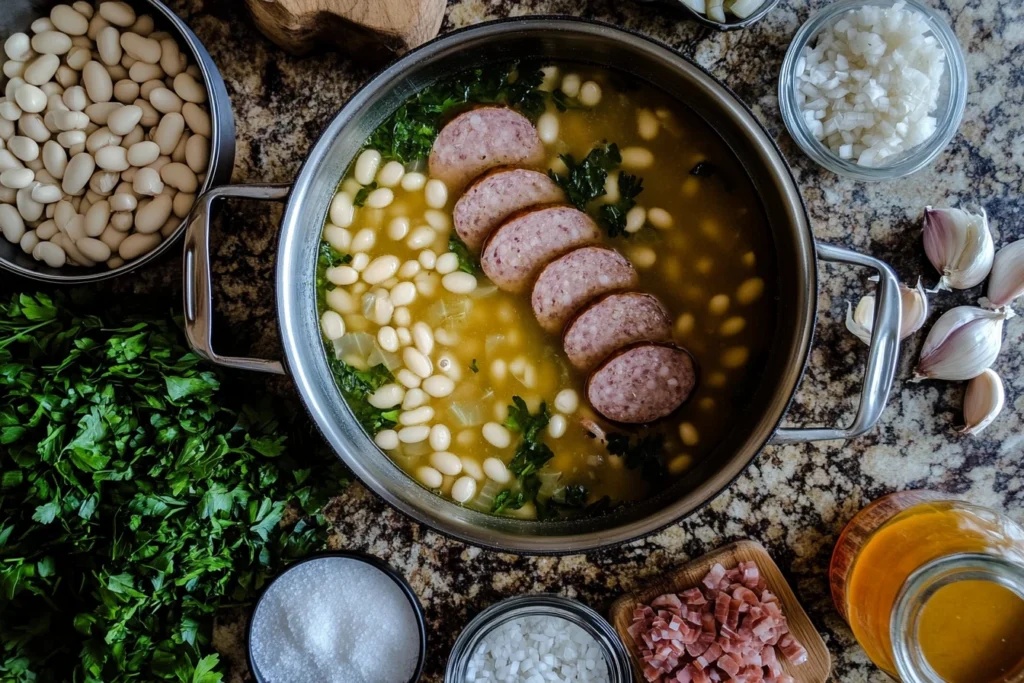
983,401
961,344
913,313
959,245
1006,282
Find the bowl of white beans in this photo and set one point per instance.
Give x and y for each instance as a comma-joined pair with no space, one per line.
113,120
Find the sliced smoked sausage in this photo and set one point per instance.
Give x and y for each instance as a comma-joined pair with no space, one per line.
480,139
526,242
612,322
642,383
571,280
495,196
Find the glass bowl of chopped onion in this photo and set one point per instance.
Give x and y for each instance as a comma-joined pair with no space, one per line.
873,89
543,635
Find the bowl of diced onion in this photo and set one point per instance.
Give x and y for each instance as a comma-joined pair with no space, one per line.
723,15
873,89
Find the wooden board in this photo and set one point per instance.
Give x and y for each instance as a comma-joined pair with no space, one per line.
370,30
818,664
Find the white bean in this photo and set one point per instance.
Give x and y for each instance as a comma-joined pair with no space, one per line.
635,219
423,338
637,158
391,174
342,210
567,401
647,124
590,94
18,47
463,489
750,290
571,85
459,282
417,362
416,417
438,386
30,98
77,173
440,437
117,13
333,325
360,261
557,426
403,294
382,310
381,268
28,241
386,439
412,182
388,339
11,223
30,209
429,477
642,256
495,470
50,253
198,119
189,89
17,178
168,131
141,48
408,378
146,182
341,275
93,249
366,166
66,19
42,69
45,194
387,396
436,193
122,121
137,244
421,237
112,159
446,463
153,215
179,176
447,263
380,198
364,240
51,43
414,434
497,435
427,259
108,44
398,228
659,218
547,128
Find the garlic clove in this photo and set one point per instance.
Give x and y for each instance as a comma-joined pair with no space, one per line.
959,245
984,399
1007,280
961,344
860,322
913,312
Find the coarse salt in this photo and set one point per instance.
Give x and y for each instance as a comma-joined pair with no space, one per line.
538,650
335,620
869,85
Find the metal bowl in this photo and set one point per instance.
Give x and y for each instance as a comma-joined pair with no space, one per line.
222,146
568,40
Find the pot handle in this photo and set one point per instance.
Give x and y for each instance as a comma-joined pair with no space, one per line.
198,289
882,356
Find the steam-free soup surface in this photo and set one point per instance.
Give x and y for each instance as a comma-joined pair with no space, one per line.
699,243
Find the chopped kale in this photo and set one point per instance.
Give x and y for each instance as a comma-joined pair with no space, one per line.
644,454
363,193
467,263
473,366
584,181
357,386
408,134
563,102
520,420
612,217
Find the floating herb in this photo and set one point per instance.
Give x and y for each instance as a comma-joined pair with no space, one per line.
473,366
364,192
563,102
467,263
643,454
612,217
584,182
357,386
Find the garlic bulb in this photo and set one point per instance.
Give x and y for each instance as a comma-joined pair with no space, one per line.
913,311
1007,280
959,245
982,402
961,344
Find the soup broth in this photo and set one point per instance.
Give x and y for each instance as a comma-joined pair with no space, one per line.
431,363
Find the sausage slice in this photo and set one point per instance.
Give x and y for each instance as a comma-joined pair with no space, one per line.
495,196
570,281
480,139
522,245
612,322
642,383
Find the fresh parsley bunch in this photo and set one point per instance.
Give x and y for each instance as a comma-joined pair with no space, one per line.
136,499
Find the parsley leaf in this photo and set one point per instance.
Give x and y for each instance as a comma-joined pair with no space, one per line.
563,102
467,263
138,496
584,181
357,386
613,216
644,453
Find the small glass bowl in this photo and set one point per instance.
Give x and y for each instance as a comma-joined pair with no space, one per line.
949,108
619,665
355,556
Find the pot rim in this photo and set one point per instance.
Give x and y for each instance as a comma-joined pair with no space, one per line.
569,543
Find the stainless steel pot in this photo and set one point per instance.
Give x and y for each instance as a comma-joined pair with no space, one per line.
222,143
557,39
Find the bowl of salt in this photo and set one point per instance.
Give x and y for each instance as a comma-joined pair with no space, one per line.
339,617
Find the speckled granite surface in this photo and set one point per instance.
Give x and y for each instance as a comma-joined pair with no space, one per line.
793,499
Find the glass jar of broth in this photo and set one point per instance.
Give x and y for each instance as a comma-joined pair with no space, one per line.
933,589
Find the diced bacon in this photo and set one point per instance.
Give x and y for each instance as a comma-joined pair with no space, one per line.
793,650
724,631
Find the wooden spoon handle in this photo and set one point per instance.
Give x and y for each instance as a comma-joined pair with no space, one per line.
370,30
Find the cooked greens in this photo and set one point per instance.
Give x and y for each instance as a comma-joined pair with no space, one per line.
408,133
137,497
357,386
643,453
584,182
467,263
364,192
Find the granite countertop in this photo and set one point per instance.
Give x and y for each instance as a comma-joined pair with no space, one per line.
793,499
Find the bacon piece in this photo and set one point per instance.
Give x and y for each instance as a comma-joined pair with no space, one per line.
722,603
794,651
693,597
667,600
716,574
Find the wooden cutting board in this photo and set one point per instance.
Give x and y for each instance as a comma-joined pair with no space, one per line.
370,30
818,664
